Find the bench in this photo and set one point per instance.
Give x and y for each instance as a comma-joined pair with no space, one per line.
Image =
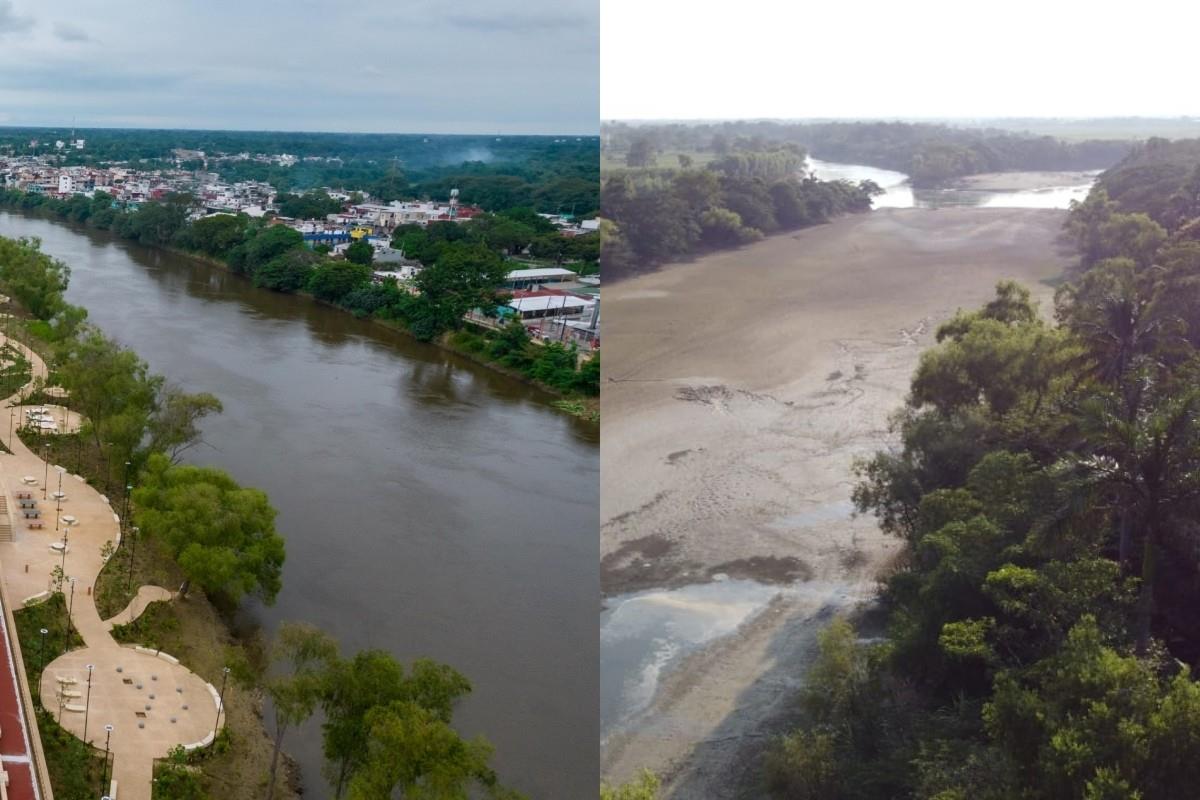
37,523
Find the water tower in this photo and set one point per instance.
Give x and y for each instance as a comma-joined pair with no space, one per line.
453,203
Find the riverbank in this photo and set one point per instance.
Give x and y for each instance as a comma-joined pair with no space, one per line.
728,446
1022,181
576,404
204,640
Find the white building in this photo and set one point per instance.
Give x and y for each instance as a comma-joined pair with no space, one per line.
66,184
526,278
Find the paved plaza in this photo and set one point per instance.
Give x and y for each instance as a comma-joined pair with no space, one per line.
152,703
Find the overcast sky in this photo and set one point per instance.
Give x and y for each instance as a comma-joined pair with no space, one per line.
682,59
466,66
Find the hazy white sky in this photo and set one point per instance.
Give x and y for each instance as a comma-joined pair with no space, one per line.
468,66
684,59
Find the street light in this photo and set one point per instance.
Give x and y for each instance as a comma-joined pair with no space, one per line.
108,729
58,498
128,488
46,478
87,703
220,703
70,611
42,650
133,531
63,566
125,514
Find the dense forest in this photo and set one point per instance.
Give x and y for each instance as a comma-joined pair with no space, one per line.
930,154
551,174
653,215
1041,626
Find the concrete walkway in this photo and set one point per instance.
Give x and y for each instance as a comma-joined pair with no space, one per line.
152,703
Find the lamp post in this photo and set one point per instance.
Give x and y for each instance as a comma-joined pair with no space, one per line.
125,513
133,532
12,414
63,566
87,705
46,477
128,488
70,611
42,649
108,729
58,499
220,703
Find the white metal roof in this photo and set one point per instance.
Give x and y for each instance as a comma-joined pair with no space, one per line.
547,272
549,301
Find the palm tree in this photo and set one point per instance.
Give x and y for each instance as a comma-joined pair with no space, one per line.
1149,455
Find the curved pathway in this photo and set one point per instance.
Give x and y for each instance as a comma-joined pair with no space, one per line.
152,703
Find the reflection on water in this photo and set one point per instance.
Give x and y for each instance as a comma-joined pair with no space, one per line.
896,191
644,633
899,194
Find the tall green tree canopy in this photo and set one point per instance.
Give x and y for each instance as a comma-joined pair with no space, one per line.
222,534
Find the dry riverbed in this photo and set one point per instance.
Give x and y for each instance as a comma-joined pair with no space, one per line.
1023,181
738,390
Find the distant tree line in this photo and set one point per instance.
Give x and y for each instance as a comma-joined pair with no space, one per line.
549,174
1042,638
655,215
930,154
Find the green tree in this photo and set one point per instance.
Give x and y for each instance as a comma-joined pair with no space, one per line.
360,252
644,787
215,235
300,658
465,276
413,752
289,271
371,681
222,535
266,244
174,426
333,280
111,387
34,278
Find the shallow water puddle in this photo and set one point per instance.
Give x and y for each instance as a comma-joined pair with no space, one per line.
643,633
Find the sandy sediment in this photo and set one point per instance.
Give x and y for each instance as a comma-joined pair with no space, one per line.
1022,181
738,390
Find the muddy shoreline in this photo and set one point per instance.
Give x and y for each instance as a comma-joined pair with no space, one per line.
739,390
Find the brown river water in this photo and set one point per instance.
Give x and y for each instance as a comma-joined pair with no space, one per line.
431,506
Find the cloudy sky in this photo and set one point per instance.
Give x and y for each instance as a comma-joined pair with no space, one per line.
680,59
467,66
